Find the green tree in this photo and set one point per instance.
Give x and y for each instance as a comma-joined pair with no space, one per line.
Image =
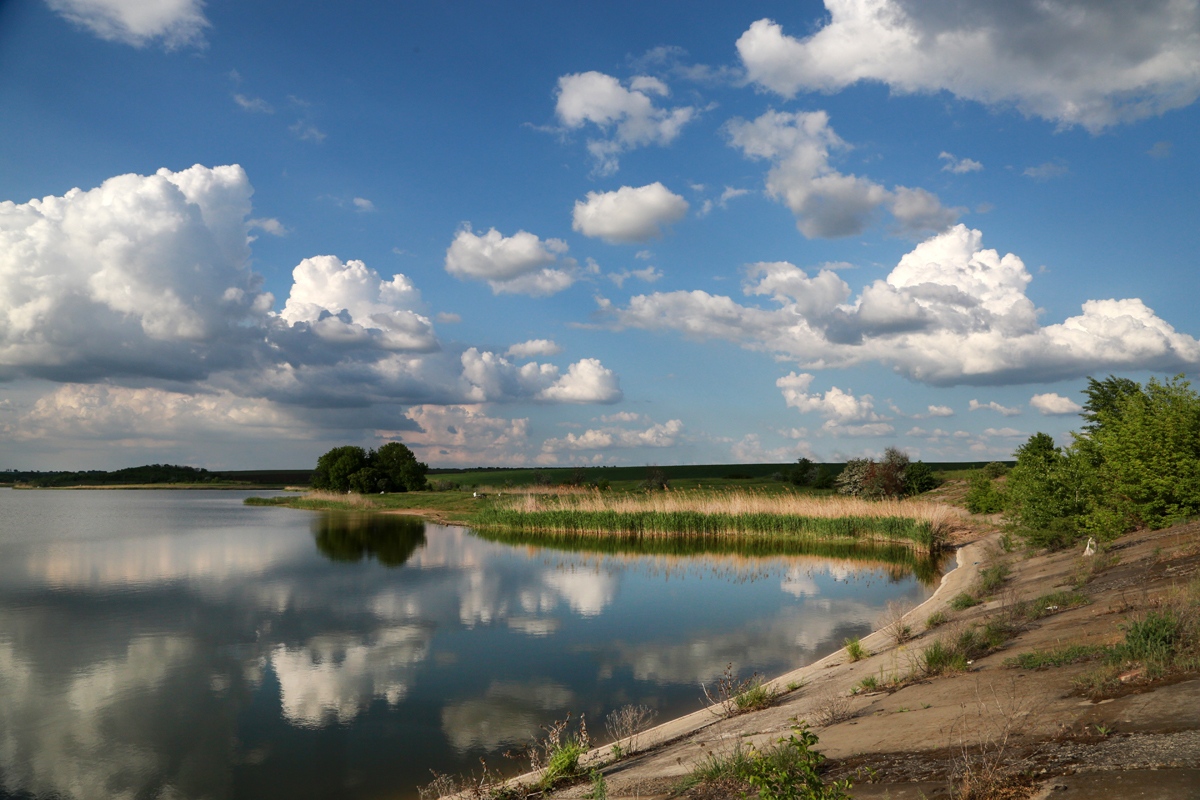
399,469
854,476
803,474
1148,447
336,466
919,478
1050,491
1106,398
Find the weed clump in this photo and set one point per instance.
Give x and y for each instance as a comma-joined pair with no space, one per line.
963,601
936,619
1157,643
855,650
730,696
789,769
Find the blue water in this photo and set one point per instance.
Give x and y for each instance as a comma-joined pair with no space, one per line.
180,644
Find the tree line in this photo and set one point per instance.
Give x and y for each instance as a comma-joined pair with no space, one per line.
1135,463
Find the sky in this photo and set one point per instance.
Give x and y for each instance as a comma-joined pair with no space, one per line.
237,234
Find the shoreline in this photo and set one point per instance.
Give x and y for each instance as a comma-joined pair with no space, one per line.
914,738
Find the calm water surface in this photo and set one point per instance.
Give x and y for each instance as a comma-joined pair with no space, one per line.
179,644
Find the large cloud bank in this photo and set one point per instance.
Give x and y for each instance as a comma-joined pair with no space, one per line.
1085,62
144,282
951,312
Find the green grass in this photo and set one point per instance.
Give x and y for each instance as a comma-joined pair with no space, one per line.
869,683
855,650
942,656
935,620
1055,602
755,696
993,577
962,601
695,523
1057,657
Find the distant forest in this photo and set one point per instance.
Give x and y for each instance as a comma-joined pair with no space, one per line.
157,474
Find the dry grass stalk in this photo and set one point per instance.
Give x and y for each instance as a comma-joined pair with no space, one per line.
834,707
739,501
893,624
350,498
626,724
989,765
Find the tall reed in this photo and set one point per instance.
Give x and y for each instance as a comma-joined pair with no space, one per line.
724,513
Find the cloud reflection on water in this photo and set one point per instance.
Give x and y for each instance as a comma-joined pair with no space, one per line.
132,663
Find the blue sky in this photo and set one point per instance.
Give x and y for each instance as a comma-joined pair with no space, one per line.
237,234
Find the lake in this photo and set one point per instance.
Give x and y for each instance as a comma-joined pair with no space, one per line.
179,644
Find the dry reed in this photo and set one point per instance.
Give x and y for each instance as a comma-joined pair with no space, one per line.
729,512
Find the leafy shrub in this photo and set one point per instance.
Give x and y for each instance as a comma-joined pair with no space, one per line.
984,497
803,474
853,477
656,480
790,770
995,470
919,478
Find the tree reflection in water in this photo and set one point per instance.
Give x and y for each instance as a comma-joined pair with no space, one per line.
390,539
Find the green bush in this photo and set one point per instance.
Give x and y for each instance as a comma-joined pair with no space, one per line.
919,478
984,497
995,470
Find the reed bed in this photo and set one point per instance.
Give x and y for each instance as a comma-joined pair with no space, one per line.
724,513
748,555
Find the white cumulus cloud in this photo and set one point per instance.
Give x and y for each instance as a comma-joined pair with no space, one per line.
517,264
1053,404
630,214
534,347
626,118
466,434
175,23
959,165
992,405
1081,62
826,202
662,435
949,313
349,302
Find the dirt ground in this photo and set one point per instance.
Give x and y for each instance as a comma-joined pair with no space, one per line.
913,741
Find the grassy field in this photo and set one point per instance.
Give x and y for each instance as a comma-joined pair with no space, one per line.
687,476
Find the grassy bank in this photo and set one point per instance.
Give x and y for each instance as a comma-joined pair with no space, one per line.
724,513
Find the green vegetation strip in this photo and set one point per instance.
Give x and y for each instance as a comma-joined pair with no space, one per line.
926,568
693,523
